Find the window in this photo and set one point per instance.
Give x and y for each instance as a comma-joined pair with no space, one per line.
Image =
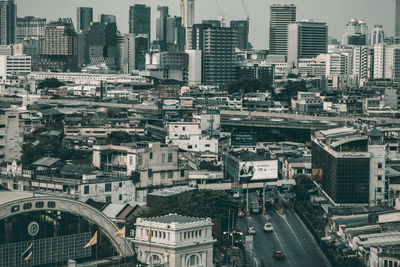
163,158
86,190
107,187
379,177
162,175
27,206
150,173
15,208
140,159
379,165
183,128
120,197
207,145
39,204
120,184
51,204
379,189
108,199
170,174
190,146
169,157
151,155
130,160
182,173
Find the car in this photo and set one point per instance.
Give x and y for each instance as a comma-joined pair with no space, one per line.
241,214
278,255
268,227
251,231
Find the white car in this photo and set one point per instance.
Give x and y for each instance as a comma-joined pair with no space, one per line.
251,231
268,227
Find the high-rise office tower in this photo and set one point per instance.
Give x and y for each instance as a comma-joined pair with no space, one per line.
280,17
83,48
306,39
212,22
377,35
242,28
139,19
218,52
30,27
102,42
186,12
142,43
60,47
8,22
126,52
397,25
84,16
106,18
175,34
161,29
356,33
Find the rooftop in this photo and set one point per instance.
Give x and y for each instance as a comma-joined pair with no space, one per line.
174,218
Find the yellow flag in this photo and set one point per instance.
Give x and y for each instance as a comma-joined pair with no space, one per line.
149,234
92,241
121,232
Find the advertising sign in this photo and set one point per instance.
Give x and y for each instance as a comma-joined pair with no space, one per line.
316,174
171,110
243,139
168,91
258,170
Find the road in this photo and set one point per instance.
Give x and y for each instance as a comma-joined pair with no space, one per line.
290,236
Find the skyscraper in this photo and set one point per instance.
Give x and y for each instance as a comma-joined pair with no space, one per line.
60,47
186,12
106,18
84,16
306,39
356,33
8,22
242,28
175,34
377,35
102,44
139,19
161,31
126,52
30,27
397,25
218,52
280,17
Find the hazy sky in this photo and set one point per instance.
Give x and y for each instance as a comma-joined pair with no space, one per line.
335,12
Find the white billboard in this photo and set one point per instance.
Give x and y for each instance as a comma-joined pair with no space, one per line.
258,170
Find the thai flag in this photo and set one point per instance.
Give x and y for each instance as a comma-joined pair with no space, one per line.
27,254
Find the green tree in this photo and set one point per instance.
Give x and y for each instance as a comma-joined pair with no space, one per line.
290,90
303,185
248,85
195,203
117,138
49,83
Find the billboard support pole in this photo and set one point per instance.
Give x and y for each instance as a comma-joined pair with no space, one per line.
264,210
247,202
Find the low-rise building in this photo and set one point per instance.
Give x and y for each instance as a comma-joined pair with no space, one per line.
174,241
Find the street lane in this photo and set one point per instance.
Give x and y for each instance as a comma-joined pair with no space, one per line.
290,236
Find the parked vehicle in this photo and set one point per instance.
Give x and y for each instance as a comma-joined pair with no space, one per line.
251,231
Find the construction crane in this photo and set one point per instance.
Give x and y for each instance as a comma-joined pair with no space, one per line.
221,14
246,11
248,20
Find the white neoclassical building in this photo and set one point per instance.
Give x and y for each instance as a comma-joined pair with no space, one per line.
174,241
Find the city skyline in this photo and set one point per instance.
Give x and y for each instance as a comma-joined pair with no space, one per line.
336,18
